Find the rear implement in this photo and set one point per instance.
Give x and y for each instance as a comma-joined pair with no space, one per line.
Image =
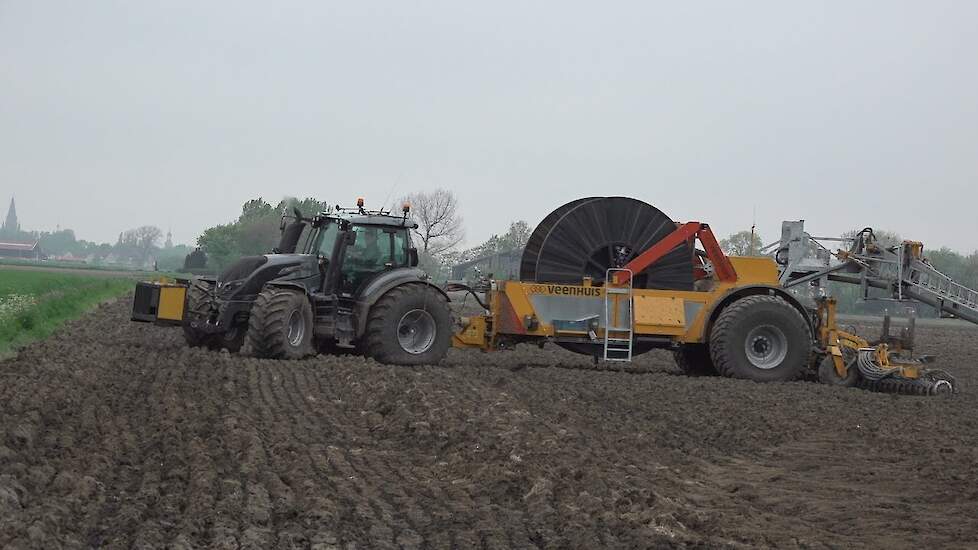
613,278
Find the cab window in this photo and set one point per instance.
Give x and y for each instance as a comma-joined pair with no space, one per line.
400,248
371,251
323,245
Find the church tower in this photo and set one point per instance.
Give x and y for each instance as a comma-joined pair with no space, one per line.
169,240
10,225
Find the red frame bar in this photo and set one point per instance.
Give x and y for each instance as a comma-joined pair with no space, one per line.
688,231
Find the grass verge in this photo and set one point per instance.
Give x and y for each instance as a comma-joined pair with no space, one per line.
33,304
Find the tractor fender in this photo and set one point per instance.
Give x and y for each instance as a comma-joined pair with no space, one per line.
735,294
384,283
291,285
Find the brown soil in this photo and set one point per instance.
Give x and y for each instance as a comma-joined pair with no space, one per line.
115,435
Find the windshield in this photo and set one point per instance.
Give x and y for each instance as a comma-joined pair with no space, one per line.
322,240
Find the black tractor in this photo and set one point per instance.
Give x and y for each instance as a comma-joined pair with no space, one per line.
342,280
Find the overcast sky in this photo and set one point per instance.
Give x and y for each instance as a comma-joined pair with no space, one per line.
846,114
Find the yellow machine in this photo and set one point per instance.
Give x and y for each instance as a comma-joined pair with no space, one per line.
731,316
525,311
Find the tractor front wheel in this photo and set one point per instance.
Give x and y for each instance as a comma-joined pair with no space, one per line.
281,325
198,303
231,340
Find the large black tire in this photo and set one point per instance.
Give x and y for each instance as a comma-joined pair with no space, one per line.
761,338
198,298
410,325
281,325
231,340
694,360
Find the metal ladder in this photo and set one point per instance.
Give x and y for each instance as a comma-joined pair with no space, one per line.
618,332
951,297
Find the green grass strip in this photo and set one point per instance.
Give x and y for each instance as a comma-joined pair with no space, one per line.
34,304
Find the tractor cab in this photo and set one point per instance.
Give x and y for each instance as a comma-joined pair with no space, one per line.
352,246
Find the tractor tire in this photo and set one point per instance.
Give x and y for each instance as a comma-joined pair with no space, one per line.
410,325
694,360
197,299
231,340
281,325
761,338
828,375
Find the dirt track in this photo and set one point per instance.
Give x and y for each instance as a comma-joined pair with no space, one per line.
114,434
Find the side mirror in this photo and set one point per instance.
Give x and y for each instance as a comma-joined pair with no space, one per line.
413,257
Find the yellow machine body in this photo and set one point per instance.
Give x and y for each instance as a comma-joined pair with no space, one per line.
544,310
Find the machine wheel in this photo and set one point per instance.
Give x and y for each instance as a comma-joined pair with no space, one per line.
828,375
231,340
694,360
410,325
760,338
281,325
197,299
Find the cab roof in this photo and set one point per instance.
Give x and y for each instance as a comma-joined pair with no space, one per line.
368,218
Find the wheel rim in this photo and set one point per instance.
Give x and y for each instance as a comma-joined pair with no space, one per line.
416,331
297,328
766,346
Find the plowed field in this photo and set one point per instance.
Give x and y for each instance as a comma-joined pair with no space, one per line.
115,435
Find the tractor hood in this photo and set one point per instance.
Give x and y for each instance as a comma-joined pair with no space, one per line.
249,274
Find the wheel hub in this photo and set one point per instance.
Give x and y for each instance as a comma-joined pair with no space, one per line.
297,328
766,346
416,331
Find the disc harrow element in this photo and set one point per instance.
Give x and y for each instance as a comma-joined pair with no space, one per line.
586,237
876,377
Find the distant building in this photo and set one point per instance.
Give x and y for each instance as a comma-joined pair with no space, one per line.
502,265
11,227
20,249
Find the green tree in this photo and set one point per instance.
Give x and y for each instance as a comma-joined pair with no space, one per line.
256,231
61,242
742,243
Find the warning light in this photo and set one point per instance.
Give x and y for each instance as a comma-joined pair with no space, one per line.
360,202
406,207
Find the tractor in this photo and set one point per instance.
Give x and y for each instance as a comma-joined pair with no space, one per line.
341,280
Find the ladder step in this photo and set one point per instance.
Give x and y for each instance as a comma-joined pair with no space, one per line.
618,291
619,329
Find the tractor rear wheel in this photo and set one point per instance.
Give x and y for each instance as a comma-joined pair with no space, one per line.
761,338
410,325
281,325
694,360
198,299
